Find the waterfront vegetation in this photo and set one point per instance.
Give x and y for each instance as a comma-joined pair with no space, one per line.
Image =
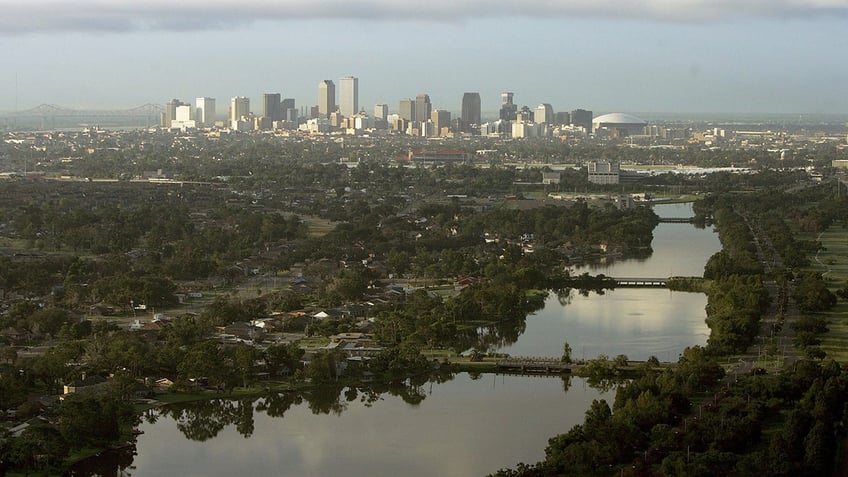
786,423
444,276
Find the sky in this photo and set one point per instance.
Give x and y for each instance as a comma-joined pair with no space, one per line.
676,56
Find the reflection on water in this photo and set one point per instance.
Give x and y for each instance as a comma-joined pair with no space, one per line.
467,425
637,322
470,425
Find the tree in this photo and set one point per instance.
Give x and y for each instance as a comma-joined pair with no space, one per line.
566,353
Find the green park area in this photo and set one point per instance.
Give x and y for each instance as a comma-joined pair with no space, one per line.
832,262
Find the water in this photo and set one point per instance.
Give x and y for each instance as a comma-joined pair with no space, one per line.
467,426
463,427
636,322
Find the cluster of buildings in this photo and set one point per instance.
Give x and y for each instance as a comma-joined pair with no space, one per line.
413,116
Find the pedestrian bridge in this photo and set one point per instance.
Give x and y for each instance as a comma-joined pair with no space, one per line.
638,282
534,365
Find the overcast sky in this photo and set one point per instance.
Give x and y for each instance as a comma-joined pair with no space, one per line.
688,56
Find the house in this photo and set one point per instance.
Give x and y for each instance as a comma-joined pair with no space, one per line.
244,331
86,385
20,428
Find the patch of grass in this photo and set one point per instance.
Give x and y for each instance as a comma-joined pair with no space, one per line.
832,262
314,341
835,341
317,227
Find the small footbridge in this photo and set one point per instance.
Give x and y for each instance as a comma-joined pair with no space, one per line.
640,282
677,220
533,365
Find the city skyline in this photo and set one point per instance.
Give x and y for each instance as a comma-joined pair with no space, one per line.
657,56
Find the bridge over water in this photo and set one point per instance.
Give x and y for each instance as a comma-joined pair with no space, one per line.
534,365
51,116
640,282
677,220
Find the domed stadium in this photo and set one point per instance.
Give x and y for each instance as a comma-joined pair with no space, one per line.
619,124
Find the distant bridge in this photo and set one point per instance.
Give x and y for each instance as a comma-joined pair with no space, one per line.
534,365
50,116
677,220
640,282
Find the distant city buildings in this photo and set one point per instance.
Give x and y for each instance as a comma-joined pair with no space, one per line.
205,112
544,114
239,108
509,109
441,122
170,112
582,118
289,110
381,111
349,96
470,114
272,106
416,116
406,109
326,98
423,108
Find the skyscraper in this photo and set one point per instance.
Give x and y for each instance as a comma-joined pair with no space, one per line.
381,111
406,110
205,112
170,113
581,117
544,114
239,107
508,108
272,106
349,96
423,108
289,109
441,121
326,98
470,113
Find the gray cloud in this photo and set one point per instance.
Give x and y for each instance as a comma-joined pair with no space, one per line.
47,16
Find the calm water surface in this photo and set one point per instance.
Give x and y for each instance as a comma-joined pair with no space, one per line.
462,427
637,322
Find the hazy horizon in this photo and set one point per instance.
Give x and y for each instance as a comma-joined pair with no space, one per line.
695,57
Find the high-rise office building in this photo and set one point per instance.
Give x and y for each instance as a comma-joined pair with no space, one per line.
581,117
289,109
470,113
349,96
239,108
326,98
544,114
381,111
272,106
441,121
406,109
204,112
170,113
508,108
423,108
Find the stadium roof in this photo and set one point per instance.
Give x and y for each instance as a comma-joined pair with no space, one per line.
618,118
